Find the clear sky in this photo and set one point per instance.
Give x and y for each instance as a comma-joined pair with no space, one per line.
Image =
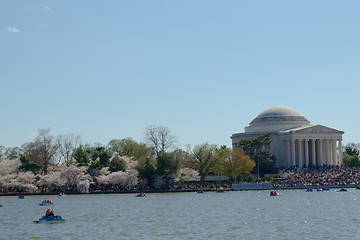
204,69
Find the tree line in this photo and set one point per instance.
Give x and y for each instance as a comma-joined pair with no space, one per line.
155,161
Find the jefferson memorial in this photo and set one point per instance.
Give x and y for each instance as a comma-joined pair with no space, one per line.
295,142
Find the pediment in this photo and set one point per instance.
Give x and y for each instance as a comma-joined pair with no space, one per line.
316,129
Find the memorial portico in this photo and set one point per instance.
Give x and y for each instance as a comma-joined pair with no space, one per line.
295,142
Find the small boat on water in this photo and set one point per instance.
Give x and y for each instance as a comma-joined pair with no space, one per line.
343,190
46,202
200,191
51,219
274,193
309,190
357,188
61,194
141,195
326,189
21,197
221,191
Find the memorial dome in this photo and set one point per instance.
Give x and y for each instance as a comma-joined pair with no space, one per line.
279,114
277,119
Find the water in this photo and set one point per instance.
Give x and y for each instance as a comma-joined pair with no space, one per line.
295,214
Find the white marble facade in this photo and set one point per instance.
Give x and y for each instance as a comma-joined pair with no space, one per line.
295,142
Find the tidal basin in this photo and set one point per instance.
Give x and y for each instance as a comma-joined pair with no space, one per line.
295,214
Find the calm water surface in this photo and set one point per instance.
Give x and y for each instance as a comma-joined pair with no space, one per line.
295,214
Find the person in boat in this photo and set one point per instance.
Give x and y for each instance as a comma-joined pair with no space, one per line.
47,213
52,214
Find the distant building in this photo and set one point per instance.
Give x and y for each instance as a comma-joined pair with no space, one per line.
295,142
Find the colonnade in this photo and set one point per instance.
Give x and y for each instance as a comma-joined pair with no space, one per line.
310,152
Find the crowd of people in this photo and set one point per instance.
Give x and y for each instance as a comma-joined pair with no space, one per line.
295,176
319,175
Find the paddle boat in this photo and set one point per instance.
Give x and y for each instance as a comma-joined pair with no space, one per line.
343,190
61,194
51,219
21,197
46,202
200,191
274,193
326,189
221,191
319,189
142,194
309,190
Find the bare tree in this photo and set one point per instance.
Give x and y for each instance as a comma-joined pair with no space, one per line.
66,145
42,150
159,138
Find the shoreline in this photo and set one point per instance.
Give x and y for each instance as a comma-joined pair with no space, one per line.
237,187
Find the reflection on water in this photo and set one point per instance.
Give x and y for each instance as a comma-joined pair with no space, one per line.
295,214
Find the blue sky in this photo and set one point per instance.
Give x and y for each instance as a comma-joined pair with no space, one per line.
109,69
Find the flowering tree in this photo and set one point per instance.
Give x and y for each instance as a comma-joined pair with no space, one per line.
77,176
187,175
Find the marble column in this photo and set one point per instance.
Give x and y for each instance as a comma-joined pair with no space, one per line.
293,152
320,162
301,163
306,142
313,151
333,162
288,154
327,152
340,153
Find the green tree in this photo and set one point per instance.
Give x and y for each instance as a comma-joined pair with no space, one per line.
81,156
26,165
117,164
100,157
203,159
167,164
42,151
351,155
250,178
129,147
237,162
148,172
253,148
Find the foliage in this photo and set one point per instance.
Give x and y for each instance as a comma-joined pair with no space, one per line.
250,178
232,177
101,158
117,164
81,156
237,163
42,151
351,161
130,148
26,165
265,161
268,178
119,178
203,159
187,175
351,155
148,172
166,164
239,178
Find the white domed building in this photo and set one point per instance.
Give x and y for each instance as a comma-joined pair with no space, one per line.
295,142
